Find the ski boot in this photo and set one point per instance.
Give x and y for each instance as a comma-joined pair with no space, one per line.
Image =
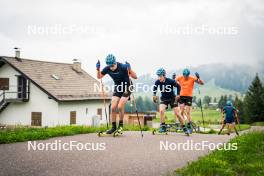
161,130
119,130
189,127
111,132
186,130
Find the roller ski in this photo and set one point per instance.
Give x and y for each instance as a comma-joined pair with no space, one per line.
186,131
113,132
161,131
177,127
190,128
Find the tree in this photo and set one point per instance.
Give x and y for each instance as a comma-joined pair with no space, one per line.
238,104
199,102
222,101
207,100
254,101
215,100
148,105
195,99
140,104
230,97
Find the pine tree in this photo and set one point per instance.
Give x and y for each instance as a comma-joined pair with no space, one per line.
254,101
199,102
215,100
140,104
207,100
238,103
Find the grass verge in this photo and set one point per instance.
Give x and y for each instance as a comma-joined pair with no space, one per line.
258,124
21,134
247,160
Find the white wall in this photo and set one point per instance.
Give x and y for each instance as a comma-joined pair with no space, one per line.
7,72
83,117
20,113
53,113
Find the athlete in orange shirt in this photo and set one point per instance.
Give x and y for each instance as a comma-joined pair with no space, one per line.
187,84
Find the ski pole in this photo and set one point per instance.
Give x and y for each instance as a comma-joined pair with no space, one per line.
201,108
135,105
238,122
102,85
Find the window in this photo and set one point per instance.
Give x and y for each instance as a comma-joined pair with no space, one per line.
72,117
4,83
36,119
100,113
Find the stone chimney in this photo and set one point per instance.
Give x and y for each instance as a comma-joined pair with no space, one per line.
77,66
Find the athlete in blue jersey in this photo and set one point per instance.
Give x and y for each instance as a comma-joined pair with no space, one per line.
168,97
120,74
229,116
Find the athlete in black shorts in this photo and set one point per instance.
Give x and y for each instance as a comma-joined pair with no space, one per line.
120,74
168,97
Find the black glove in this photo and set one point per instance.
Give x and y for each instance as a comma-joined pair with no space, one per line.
174,76
155,99
197,75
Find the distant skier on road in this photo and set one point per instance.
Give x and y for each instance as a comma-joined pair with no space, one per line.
229,115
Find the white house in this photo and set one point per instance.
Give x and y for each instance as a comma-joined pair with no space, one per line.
40,93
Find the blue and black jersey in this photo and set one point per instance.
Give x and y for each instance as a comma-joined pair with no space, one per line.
119,76
166,88
229,112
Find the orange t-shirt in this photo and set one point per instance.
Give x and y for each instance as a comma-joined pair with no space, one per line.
186,85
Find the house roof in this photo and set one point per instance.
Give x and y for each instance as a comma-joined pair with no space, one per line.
59,80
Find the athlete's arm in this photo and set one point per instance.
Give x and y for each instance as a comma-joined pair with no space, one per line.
132,74
236,115
223,116
198,79
155,88
178,88
99,74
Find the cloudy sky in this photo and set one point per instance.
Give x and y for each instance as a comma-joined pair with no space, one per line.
149,34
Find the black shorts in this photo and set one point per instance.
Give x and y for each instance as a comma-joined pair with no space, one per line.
187,101
229,120
125,93
172,102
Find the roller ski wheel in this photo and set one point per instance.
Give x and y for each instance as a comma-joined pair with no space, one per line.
157,132
116,133
186,131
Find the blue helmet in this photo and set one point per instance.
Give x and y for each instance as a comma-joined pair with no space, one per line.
229,103
161,72
186,72
110,59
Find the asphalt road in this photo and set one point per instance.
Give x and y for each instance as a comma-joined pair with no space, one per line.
127,155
